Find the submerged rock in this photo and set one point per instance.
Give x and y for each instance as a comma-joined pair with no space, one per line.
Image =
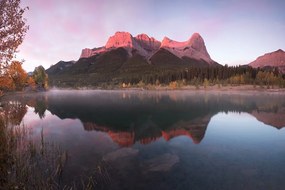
121,153
161,163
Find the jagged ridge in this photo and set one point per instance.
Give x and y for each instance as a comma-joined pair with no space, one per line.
146,46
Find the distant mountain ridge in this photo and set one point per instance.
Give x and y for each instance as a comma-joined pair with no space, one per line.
272,59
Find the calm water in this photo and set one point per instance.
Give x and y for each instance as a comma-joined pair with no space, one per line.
163,140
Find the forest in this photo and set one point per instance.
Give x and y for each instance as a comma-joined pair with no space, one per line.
174,77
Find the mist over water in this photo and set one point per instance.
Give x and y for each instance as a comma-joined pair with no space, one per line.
164,140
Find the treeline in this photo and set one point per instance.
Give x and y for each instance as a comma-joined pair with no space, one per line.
223,75
181,75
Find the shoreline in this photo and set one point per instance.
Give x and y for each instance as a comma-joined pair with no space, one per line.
188,88
228,88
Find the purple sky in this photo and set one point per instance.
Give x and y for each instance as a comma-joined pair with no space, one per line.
235,31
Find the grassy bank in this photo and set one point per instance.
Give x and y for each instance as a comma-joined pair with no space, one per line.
25,164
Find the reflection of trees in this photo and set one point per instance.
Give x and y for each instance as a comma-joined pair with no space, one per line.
40,108
13,112
39,104
17,103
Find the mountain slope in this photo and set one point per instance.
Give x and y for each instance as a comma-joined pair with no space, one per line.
59,67
273,59
102,63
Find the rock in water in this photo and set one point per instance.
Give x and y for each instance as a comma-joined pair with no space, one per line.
121,153
161,163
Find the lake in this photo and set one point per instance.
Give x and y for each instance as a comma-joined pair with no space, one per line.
162,139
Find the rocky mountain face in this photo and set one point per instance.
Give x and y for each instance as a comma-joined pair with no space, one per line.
60,66
147,47
193,48
273,59
147,43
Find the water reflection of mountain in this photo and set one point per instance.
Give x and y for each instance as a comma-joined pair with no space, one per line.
146,134
275,119
130,117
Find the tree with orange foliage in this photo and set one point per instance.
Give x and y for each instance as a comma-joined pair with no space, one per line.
14,78
17,74
6,83
31,83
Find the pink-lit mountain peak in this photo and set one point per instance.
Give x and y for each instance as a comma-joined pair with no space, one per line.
167,42
195,41
125,39
146,38
143,36
147,46
193,48
120,39
143,44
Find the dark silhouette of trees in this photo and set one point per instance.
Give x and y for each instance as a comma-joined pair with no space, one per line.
40,77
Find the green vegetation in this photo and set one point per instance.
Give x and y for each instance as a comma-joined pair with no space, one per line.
40,77
113,69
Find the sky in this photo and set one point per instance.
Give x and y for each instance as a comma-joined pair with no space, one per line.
235,32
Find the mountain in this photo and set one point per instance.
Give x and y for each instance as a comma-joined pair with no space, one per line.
273,59
125,58
146,46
